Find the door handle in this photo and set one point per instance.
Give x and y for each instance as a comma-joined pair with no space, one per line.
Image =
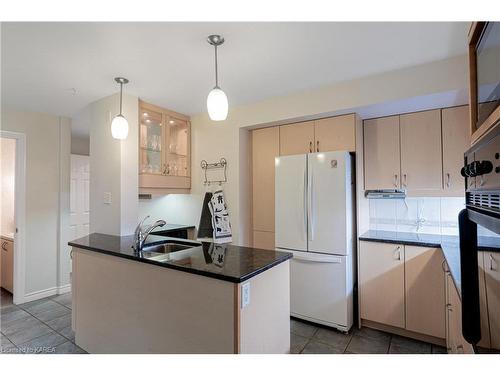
317,146
310,205
397,253
310,146
305,208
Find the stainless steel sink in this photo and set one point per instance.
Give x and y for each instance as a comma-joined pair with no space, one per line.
164,251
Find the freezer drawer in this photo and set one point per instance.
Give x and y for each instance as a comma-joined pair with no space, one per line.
321,289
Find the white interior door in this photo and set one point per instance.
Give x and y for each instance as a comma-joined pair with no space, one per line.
79,196
290,202
330,216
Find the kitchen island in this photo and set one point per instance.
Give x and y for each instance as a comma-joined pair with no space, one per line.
194,298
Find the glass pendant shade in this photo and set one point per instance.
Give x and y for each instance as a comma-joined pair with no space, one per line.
119,127
217,105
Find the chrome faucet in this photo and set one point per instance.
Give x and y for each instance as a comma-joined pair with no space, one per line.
141,233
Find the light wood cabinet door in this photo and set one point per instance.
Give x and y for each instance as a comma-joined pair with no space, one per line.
382,153
335,134
263,240
296,138
456,140
265,148
425,291
7,265
483,305
492,281
421,161
381,279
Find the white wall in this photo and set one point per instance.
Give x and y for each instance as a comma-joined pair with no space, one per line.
47,197
113,166
173,208
211,140
7,184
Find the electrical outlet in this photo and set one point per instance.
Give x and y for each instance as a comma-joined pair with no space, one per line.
107,198
245,295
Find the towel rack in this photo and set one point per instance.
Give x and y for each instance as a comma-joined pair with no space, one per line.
220,165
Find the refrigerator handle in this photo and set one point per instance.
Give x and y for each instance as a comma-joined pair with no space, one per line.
310,213
304,202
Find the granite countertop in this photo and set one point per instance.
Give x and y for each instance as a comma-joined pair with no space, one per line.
448,243
225,261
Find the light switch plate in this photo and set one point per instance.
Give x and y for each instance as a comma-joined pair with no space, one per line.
245,295
107,198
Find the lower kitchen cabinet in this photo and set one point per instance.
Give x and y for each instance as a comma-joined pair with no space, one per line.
402,286
381,283
492,281
7,264
424,290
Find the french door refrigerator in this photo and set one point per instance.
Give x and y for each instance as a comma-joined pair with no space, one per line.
315,221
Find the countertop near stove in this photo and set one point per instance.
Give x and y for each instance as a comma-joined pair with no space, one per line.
450,246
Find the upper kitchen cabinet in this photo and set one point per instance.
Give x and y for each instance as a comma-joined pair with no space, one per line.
164,151
296,138
265,148
382,150
335,133
456,140
421,165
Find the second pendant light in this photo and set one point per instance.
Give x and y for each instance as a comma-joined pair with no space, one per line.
217,105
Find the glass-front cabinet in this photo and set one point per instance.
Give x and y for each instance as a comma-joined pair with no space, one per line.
164,150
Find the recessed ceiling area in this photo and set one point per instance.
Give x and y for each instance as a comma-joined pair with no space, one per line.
59,68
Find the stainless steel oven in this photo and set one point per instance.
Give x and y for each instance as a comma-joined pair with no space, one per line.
482,183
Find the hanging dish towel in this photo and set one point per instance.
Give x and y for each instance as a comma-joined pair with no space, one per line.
220,218
205,229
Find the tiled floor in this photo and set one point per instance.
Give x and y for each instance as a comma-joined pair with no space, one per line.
42,326
307,338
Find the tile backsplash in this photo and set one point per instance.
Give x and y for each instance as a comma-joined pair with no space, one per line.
433,215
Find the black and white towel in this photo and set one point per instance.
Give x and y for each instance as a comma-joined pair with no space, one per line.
220,218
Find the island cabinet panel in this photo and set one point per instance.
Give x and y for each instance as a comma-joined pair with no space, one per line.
265,322
381,279
381,153
265,148
483,307
425,291
492,280
296,138
335,134
456,140
123,306
421,150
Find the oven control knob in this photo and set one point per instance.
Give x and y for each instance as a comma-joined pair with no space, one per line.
464,171
474,169
484,167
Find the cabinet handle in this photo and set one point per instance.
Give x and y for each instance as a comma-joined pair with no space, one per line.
460,348
448,182
317,146
443,265
404,180
310,146
449,307
397,253
396,180
71,254
491,263
4,244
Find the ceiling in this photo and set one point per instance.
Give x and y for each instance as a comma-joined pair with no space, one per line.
59,68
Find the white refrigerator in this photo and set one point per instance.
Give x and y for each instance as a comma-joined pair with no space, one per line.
315,222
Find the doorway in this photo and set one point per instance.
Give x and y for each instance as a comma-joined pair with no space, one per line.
12,211
79,196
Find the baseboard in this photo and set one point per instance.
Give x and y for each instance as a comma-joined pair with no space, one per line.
404,332
33,296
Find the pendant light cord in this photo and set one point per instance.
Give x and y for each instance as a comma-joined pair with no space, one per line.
121,95
216,73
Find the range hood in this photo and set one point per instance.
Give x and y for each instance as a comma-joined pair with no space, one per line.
385,194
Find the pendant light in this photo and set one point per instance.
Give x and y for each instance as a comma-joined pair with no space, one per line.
119,125
217,100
